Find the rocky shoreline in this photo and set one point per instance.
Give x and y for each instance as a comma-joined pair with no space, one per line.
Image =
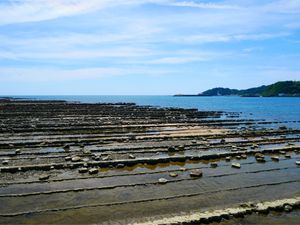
122,163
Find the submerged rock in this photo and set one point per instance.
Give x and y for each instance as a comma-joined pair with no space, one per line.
214,165
171,149
282,128
162,181
196,173
275,158
236,165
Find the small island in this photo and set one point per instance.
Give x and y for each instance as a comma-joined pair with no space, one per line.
278,89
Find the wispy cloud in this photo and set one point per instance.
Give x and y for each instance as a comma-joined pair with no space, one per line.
81,54
214,37
50,74
74,40
45,74
20,11
202,5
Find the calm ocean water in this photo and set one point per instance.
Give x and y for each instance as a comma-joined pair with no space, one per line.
258,108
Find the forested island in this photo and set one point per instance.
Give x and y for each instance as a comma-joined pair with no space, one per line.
278,89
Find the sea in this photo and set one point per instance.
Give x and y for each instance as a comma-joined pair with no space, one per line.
270,108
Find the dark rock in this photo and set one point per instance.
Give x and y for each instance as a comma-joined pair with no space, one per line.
66,147
83,170
93,171
214,165
120,165
282,128
171,149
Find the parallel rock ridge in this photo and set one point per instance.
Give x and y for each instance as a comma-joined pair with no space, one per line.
66,162
219,215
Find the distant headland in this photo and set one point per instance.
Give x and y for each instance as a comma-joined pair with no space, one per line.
278,89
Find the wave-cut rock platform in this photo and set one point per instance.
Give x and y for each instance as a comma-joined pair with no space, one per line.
74,163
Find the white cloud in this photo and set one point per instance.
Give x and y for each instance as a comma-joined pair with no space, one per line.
176,60
50,74
20,11
188,56
211,37
202,5
33,74
56,54
283,6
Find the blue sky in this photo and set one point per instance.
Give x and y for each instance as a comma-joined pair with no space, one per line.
155,47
